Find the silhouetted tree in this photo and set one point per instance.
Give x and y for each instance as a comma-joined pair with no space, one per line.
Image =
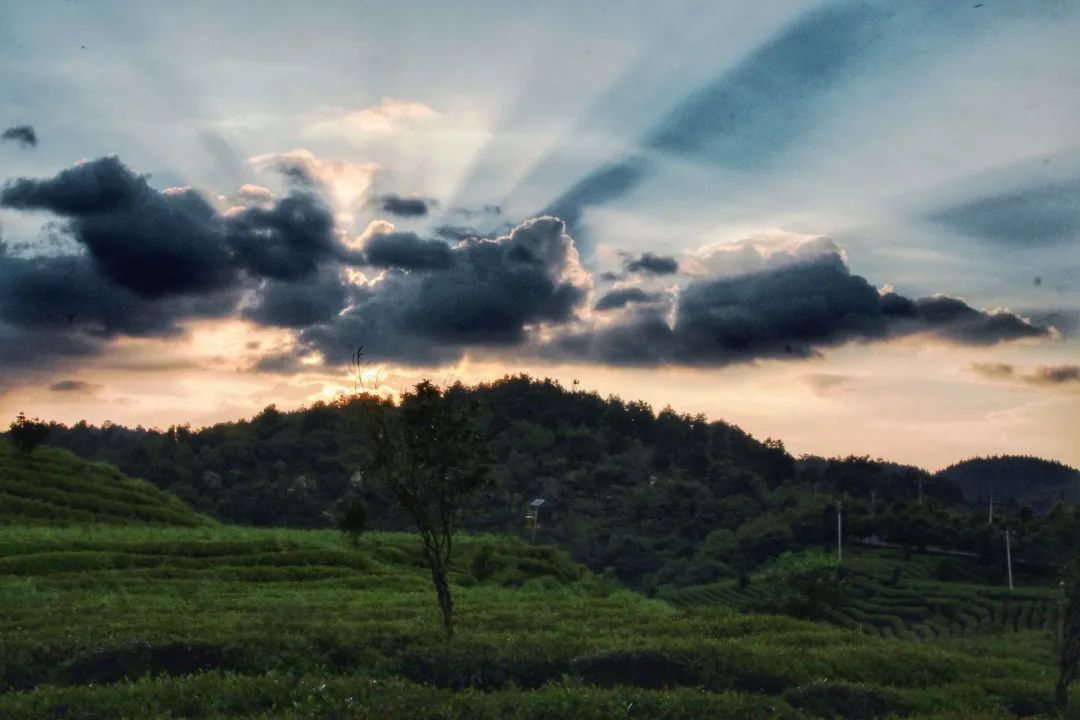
352,518
27,433
428,453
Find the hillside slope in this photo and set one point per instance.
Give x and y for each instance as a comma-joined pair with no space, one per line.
54,487
1029,481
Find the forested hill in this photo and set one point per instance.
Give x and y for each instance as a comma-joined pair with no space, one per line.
1022,479
654,497
286,468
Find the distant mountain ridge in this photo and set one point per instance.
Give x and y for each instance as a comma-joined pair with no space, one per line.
1026,480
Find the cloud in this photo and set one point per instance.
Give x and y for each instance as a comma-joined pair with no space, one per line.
348,184
250,194
1036,214
1052,376
286,241
75,387
172,242
387,116
404,205
25,135
953,319
624,296
67,294
150,242
995,371
1056,374
652,264
298,304
768,250
790,311
491,293
155,259
407,251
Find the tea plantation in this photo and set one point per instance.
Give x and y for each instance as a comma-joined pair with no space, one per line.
150,611
912,604
54,487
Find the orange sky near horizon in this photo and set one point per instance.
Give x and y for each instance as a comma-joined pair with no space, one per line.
910,401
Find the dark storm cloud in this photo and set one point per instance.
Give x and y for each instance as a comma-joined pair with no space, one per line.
297,304
40,349
162,243
153,243
1034,215
74,387
793,311
67,294
487,295
25,135
750,114
155,259
102,185
653,264
286,241
408,251
404,206
621,298
953,319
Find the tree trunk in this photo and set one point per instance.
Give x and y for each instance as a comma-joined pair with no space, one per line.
442,589
1061,692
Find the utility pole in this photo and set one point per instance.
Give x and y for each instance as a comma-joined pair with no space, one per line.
1008,557
991,516
534,515
920,492
839,534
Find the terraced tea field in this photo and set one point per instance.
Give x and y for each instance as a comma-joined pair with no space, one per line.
911,606
54,487
144,622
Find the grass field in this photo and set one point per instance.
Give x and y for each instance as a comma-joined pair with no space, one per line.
143,622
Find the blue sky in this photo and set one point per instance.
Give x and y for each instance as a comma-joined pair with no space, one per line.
926,147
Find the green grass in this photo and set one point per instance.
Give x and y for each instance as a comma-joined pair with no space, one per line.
54,487
145,622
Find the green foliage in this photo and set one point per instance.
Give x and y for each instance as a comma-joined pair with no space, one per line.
804,586
27,433
53,487
223,622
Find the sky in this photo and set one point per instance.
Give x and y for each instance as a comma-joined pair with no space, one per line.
851,226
